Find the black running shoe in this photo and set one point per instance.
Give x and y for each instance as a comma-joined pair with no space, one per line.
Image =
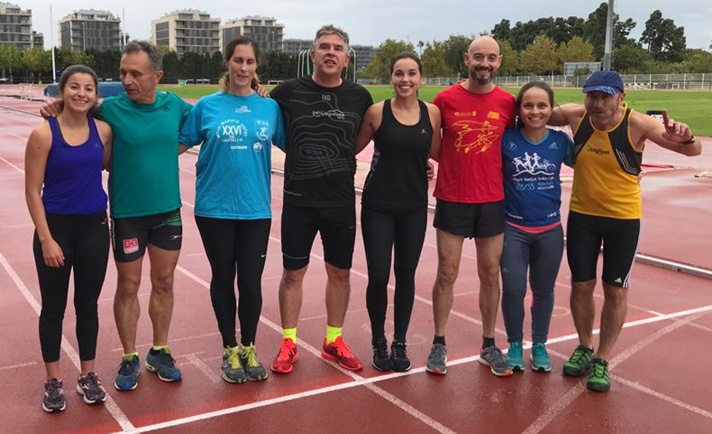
380,360
399,357
53,396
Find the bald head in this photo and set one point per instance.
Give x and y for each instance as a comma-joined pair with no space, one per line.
486,43
482,60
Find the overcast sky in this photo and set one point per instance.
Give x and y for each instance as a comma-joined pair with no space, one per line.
370,22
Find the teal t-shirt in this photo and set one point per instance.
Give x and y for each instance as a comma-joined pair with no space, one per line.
144,163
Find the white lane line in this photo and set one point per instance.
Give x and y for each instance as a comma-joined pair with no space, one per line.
560,405
666,398
12,165
358,380
113,408
193,359
19,365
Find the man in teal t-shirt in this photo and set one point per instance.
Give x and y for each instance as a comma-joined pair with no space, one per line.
145,205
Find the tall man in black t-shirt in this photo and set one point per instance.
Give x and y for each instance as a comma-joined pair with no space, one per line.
322,114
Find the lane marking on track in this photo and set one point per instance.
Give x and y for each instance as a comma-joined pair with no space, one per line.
560,405
19,365
111,405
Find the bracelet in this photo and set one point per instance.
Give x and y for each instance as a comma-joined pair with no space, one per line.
689,141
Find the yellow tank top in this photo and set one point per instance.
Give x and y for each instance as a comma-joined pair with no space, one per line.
606,171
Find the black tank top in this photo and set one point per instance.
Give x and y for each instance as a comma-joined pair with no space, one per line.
397,179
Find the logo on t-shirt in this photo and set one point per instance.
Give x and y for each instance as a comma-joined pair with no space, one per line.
231,131
479,136
130,245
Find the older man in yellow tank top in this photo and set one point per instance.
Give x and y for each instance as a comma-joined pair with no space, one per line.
605,209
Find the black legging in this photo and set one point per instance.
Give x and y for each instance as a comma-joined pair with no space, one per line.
235,247
403,233
85,243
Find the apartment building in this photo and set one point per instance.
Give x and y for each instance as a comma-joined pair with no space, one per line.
266,31
187,31
15,26
90,29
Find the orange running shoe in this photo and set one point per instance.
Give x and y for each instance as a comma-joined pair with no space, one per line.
286,358
340,353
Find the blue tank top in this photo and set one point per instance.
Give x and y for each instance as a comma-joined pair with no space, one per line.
72,181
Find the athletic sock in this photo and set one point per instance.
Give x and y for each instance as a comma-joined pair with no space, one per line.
291,334
487,342
332,333
439,340
161,347
130,356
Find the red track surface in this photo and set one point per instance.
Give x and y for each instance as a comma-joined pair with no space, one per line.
659,385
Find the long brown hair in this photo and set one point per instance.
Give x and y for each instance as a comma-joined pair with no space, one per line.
240,40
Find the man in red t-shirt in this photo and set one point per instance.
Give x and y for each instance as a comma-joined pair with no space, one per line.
470,195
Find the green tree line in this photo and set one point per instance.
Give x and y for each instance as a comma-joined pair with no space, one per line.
542,46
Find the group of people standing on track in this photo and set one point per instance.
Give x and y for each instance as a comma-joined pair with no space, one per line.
498,182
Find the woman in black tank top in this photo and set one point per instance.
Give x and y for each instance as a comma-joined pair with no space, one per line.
406,131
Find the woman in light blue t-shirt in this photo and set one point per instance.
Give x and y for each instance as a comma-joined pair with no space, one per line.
236,128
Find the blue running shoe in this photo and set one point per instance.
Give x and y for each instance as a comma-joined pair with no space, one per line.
163,364
127,377
540,358
515,357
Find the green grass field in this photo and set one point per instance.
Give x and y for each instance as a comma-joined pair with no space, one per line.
694,108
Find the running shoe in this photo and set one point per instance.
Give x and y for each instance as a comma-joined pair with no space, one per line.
163,364
286,357
53,401
232,370
540,358
127,377
399,357
253,368
579,362
89,386
497,362
515,356
380,359
600,379
340,353
437,359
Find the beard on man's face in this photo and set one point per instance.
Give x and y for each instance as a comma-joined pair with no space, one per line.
484,78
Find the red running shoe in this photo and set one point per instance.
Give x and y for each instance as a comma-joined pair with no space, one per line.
286,358
340,353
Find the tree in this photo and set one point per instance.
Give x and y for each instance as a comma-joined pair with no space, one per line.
10,60
665,41
510,59
502,31
540,56
379,67
576,50
594,30
171,67
433,59
697,61
37,61
455,48
631,59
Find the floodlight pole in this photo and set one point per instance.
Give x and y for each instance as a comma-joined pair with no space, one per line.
51,35
609,38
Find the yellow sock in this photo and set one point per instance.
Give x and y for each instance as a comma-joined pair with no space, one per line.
332,333
291,334
129,356
161,347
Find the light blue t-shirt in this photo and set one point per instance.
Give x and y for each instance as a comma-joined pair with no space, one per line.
234,163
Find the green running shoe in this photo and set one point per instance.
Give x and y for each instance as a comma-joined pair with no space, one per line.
579,362
600,379
515,357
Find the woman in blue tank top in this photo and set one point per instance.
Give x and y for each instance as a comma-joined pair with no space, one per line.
394,204
66,200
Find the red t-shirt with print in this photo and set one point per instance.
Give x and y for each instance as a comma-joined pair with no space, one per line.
470,164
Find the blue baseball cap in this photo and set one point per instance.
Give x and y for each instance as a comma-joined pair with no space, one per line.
609,82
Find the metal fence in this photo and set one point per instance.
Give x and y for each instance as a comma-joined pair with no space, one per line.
632,81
